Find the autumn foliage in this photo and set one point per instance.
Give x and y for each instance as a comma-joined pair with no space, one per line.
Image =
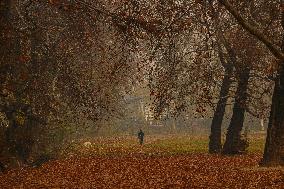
146,171
66,66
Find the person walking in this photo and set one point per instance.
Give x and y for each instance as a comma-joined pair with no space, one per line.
141,137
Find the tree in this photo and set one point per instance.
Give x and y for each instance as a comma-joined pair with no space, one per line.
57,60
273,154
215,138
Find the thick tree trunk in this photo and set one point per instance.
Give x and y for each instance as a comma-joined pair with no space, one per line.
274,147
232,143
15,136
14,133
215,143
5,27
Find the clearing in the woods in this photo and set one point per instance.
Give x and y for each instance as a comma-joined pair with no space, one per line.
163,162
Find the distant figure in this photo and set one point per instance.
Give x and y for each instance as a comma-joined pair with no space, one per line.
141,137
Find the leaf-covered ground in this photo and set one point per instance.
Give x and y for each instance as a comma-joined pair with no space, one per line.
139,168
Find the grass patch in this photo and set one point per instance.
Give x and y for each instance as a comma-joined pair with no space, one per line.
256,145
179,145
157,144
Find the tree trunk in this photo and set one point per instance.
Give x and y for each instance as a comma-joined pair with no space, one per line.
15,138
262,124
10,131
215,143
233,137
274,147
174,126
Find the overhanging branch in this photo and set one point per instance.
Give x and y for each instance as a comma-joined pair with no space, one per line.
275,50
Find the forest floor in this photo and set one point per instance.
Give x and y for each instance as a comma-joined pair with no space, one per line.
163,162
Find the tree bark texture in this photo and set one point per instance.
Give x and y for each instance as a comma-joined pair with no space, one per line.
274,146
215,139
233,136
